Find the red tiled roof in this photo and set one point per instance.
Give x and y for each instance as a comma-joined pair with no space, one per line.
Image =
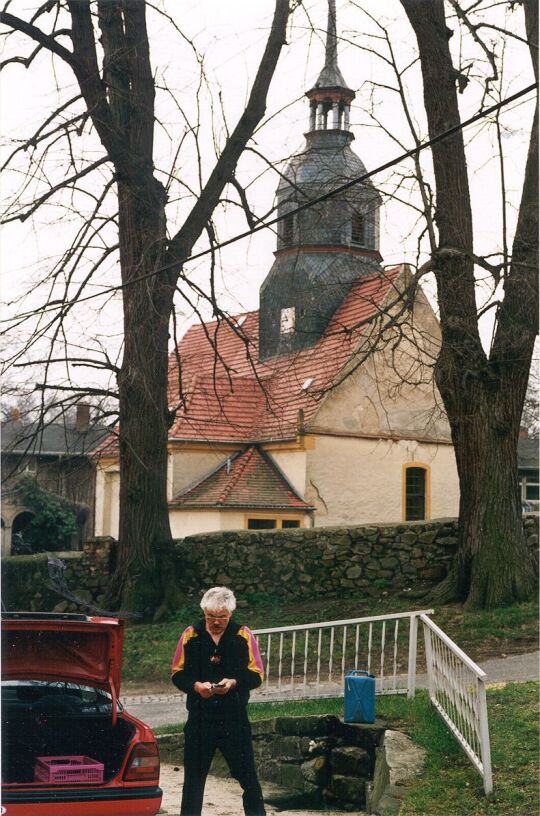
235,397
230,396
249,479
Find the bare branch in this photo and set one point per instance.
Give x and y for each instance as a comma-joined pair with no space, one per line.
62,185
45,40
98,392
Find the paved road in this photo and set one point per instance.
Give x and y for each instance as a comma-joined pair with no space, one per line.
167,709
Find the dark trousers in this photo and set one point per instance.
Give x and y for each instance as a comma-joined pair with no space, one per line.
232,735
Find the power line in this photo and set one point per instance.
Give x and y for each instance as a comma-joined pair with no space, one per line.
312,202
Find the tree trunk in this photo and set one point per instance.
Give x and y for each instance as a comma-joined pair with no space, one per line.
114,73
143,582
483,396
493,566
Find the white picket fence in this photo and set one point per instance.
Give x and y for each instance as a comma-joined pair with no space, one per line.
312,659
457,690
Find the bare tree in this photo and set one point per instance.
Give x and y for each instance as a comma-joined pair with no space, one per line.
483,392
108,52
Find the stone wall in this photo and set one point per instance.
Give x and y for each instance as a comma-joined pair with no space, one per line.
26,584
325,560
314,762
287,563
320,761
322,561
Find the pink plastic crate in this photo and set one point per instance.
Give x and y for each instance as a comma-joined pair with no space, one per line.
67,769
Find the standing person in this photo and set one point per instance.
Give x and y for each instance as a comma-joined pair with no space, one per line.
217,662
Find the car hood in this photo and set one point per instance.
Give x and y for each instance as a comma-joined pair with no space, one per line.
87,651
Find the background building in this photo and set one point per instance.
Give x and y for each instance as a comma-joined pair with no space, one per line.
57,456
320,408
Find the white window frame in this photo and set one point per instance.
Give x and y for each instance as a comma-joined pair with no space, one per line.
287,320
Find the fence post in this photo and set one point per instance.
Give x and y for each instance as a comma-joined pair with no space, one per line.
413,637
429,659
484,737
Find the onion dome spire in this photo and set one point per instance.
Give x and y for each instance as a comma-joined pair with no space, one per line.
330,98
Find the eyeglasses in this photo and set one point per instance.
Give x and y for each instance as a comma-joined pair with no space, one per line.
209,616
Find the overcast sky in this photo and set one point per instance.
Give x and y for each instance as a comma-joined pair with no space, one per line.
231,36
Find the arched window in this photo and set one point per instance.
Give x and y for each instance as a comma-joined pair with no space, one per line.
358,229
416,492
21,543
288,229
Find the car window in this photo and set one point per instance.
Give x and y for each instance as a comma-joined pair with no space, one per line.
55,697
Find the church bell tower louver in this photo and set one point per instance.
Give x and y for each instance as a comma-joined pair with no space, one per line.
322,250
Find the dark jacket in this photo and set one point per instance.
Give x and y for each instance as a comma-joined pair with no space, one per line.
199,659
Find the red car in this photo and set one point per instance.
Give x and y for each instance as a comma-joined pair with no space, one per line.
68,746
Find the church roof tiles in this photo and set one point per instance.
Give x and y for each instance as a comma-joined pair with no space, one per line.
224,393
249,479
239,398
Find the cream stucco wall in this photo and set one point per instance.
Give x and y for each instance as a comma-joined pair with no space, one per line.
107,499
360,481
391,391
374,399
189,522
293,464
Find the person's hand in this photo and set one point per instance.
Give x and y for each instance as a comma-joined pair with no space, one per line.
225,686
204,689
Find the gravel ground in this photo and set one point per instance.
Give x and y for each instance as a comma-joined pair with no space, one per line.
223,797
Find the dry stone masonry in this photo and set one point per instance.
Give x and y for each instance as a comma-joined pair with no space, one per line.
288,563
320,761
307,762
326,560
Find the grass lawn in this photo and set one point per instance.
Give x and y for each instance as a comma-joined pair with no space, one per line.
149,648
450,786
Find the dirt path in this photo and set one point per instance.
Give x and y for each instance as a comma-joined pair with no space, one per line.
222,797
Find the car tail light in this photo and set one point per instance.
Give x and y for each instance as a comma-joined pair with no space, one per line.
143,763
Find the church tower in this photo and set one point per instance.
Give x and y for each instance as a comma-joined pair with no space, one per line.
322,250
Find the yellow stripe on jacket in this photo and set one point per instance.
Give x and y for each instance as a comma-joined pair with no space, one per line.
255,661
179,658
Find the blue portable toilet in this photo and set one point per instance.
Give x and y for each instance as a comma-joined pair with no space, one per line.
359,697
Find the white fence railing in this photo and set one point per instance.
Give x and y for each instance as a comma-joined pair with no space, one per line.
457,691
312,659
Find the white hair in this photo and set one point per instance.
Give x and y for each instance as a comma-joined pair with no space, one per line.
218,598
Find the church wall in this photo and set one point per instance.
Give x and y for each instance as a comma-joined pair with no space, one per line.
360,481
373,400
392,392
293,466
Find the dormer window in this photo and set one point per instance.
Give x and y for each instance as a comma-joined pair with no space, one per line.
288,229
286,325
358,229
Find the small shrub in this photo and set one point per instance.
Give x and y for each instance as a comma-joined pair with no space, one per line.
54,523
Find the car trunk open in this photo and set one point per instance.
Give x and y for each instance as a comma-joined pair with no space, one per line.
47,721
39,646
60,680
